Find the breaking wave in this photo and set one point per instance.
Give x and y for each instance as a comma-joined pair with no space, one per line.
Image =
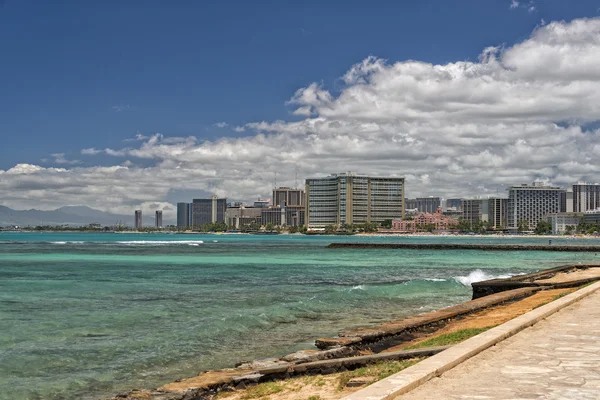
161,242
478,276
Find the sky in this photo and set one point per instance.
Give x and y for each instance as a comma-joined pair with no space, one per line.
126,105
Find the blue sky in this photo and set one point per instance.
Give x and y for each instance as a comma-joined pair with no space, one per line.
80,77
78,74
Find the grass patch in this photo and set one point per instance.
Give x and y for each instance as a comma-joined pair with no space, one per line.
449,338
315,398
587,284
378,370
262,390
558,296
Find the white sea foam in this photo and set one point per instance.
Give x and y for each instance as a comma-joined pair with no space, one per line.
478,276
68,242
358,287
435,279
161,242
58,242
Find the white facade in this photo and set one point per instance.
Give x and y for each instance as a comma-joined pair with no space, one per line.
530,203
560,221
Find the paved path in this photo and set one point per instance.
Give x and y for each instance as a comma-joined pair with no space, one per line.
557,358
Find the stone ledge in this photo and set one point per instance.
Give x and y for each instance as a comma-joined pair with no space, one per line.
412,377
388,329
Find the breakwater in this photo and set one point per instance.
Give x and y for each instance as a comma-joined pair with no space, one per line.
466,246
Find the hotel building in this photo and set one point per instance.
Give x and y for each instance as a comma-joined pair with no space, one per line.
349,198
531,203
207,211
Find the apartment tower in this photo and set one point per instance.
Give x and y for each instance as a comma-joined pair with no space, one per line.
138,219
158,219
349,198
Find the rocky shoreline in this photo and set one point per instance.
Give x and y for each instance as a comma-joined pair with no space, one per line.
360,347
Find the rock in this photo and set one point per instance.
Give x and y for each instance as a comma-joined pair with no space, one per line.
252,377
360,381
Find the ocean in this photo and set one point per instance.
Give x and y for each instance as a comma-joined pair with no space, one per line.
86,315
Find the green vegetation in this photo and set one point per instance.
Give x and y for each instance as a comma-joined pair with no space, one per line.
543,228
386,223
522,225
314,398
585,228
558,296
473,226
449,338
262,390
379,370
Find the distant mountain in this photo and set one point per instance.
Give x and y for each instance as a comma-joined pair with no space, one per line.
69,215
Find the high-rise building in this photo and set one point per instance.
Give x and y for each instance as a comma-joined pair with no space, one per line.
283,215
353,199
158,219
138,219
207,211
428,205
492,210
586,197
410,204
498,212
528,204
289,196
184,215
455,204
474,210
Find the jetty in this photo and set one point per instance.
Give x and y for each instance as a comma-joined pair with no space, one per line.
467,246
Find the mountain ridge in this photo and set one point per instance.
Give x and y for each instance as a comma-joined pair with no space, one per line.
66,215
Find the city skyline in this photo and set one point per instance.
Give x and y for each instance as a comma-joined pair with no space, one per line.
458,112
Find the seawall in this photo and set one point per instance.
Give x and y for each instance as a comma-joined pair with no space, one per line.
465,246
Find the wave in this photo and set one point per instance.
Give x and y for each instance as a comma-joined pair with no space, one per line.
478,276
161,242
68,242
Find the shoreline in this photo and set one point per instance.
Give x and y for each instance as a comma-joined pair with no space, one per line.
293,374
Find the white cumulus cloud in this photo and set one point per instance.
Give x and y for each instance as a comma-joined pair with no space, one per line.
519,113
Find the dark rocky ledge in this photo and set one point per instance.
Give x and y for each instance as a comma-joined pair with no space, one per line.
465,246
564,276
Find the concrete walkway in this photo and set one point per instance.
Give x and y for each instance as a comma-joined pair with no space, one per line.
557,358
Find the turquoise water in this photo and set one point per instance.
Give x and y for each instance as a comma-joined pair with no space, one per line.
83,316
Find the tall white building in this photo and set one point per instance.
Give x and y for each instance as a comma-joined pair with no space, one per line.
585,197
349,198
528,204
